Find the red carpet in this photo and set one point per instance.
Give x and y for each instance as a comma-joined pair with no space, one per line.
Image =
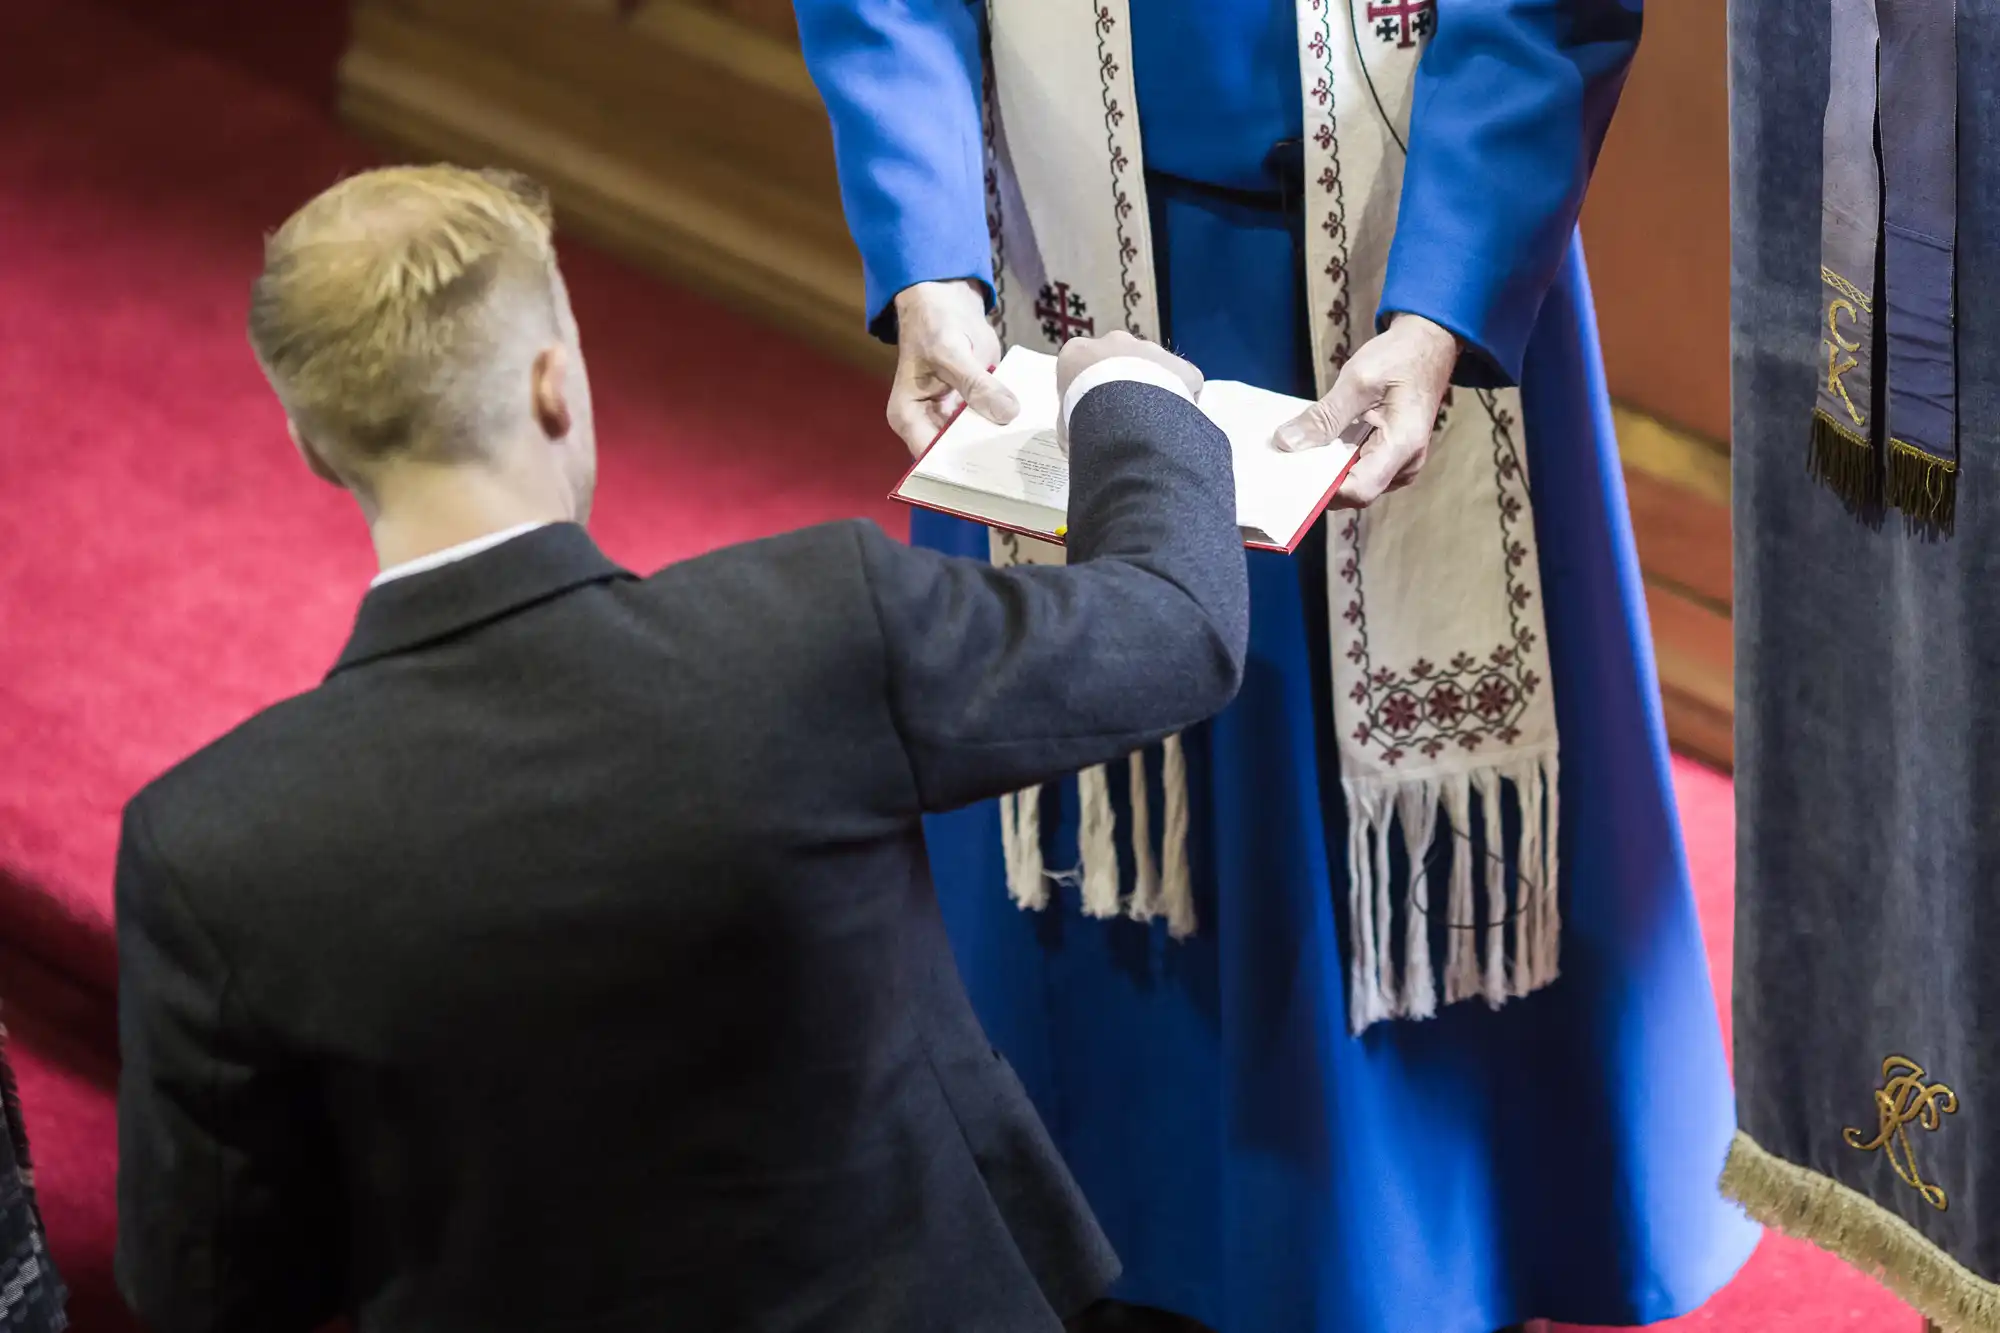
168,567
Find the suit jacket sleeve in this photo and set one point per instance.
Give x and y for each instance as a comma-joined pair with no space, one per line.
1002,678
1512,100
224,1221
902,81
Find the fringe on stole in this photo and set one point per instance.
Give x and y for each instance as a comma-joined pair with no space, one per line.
1921,487
1478,959
1163,885
1803,1203
1844,462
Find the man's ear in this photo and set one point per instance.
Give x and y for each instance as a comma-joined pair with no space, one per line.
315,461
549,391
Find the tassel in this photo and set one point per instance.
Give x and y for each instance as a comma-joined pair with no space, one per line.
1364,976
1145,904
1924,488
1494,971
1176,880
1010,846
1097,843
1478,958
1372,994
1021,845
1548,954
1385,921
1527,878
1417,807
1461,977
1844,462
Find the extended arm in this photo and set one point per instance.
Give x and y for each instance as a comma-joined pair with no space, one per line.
902,82
1512,101
1000,678
220,1226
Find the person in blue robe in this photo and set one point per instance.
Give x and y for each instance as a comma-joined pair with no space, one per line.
1259,1169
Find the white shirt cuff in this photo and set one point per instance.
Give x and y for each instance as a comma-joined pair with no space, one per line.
1116,368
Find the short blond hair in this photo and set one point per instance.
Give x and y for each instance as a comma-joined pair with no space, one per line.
389,304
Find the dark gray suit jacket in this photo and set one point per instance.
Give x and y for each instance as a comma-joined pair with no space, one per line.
32,1295
569,959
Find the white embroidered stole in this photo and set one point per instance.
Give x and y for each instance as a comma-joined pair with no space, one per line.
1441,692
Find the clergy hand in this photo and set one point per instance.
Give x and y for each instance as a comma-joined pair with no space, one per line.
1387,399
945,347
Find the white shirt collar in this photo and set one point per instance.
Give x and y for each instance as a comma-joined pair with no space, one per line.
451,554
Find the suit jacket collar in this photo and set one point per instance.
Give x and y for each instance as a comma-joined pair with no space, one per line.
422,608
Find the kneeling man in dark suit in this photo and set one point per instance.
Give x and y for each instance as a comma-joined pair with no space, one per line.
569,959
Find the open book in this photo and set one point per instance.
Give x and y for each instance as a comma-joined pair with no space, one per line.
1015,476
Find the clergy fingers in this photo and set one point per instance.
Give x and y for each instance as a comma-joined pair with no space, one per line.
1410,470
1336,416
1396,448
918,421
991,399
969,377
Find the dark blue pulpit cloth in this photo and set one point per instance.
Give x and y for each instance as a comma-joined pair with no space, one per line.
1868,668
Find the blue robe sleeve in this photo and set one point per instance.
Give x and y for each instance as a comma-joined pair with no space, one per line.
1511,103
903,84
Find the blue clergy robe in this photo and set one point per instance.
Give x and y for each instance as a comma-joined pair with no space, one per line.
1258,1168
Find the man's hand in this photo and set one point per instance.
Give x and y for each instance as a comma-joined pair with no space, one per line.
1387,397
1079,354
944,348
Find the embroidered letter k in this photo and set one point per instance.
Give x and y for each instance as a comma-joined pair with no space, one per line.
1836,365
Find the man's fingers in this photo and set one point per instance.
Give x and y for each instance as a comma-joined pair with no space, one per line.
1328,419
1186,371
1080,353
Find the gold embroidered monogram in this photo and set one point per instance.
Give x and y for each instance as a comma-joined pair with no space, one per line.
1844,310
1906,1098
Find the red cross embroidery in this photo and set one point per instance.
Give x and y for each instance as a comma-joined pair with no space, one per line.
1062,313
1402,21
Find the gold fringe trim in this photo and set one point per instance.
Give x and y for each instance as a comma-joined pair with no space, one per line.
1845,1222
1843,461
1924,487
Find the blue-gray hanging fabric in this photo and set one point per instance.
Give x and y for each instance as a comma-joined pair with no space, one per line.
1885,426
31,1293
1867,799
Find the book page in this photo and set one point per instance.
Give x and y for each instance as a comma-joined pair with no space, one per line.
1018,461
1276,492
1016,475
